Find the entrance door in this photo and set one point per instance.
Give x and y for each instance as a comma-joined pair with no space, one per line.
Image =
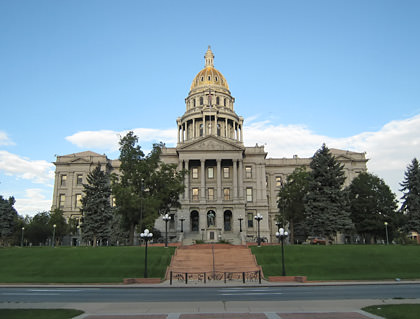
194,220
227,218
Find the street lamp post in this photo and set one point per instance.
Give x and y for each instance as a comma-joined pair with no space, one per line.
281,235
386,232
258,218
146,235
166,219
278,227
53,240
240,223
182,223
21,240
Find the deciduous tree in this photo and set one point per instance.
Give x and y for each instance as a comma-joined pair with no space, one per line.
372,203
291,199
145,187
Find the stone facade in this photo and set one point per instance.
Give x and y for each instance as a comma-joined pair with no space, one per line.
228,183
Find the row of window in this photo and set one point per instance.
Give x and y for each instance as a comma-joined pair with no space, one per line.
79,180
226,172
226,194
201,101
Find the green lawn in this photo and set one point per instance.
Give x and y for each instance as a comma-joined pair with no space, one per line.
80,264
39,313
342,262
408,311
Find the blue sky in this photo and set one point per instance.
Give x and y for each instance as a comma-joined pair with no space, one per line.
75,74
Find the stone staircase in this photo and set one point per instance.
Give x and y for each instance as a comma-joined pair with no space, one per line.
232,238
211,258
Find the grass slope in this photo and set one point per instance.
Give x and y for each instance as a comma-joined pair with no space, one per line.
39,313
81,264
406,311
342,262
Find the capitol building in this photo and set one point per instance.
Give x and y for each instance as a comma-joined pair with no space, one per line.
227,183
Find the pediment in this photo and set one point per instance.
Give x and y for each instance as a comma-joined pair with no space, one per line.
79,161
211,143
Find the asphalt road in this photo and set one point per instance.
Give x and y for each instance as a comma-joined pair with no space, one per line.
131,294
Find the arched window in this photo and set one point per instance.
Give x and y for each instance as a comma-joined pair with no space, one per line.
194,220
201,101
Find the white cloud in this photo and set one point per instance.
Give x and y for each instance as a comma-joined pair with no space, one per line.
107,140
33,202
4,139
38,171
389,150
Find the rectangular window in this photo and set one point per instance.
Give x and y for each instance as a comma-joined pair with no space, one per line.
210,172
61,200
248,172
172,222
195,194
79,179
226,172
278,181
78,200
250,220
195,172
226,193
63,180
249,194
211,193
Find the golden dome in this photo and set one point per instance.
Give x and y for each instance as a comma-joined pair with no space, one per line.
209,75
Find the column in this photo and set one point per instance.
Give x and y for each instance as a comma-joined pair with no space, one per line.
241,179
226,127
186,181
219,180
203,180
204,125
235,179
242,135
183,131
178,134
194,128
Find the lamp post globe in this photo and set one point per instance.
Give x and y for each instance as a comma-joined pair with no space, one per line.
281,235
166,218
146,235
258,218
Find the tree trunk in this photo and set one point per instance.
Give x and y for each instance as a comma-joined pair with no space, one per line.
94,241
131,235
292,232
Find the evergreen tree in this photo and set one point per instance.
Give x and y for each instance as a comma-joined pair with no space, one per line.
291,199
411,198
325,206
96,207
8,219
372,203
